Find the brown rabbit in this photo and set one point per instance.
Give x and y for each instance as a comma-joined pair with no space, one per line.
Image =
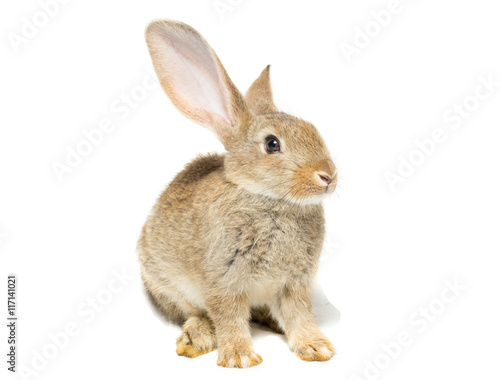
236,236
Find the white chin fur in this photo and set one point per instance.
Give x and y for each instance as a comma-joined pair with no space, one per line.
318,199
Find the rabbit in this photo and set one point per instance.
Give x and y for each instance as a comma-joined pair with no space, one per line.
236,236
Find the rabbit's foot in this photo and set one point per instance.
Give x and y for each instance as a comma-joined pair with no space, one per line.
232,357
197,338
315,349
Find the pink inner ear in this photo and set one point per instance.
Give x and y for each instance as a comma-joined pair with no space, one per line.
190,68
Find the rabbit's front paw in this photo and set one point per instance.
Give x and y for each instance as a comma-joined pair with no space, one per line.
232,357
315,349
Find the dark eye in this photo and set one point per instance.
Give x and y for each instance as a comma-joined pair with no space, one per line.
272,144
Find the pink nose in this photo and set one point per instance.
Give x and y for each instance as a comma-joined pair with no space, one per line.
325,179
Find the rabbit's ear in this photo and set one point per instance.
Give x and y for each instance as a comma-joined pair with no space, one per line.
260,96
194,79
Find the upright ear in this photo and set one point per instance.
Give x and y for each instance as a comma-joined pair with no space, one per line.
194,79
260,96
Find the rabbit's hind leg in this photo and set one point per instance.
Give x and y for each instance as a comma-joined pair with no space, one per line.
198,333
169,303
197,338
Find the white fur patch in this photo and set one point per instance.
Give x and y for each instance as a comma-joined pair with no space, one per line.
191,292
261,293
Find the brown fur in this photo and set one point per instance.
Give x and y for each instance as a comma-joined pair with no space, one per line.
238,235
260,94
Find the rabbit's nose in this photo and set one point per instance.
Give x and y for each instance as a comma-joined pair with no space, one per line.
326,172
326,179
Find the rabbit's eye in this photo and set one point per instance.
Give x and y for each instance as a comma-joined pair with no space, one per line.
272,144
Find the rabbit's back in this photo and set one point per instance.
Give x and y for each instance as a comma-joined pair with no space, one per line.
169,248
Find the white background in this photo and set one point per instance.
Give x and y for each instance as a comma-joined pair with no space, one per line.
389,252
